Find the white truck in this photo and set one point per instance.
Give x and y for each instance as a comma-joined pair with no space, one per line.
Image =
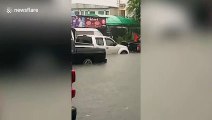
87,31
105,42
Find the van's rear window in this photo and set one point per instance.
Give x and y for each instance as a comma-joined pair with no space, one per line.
84,39
84,32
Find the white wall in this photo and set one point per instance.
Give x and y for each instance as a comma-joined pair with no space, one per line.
97,2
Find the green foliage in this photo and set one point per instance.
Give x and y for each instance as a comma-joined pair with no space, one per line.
119,39
116,32
134,7
127,37
119,31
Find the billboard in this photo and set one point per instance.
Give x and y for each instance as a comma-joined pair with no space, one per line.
95,22
78,22
88,22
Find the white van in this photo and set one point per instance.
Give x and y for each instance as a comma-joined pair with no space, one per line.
105,42
88,31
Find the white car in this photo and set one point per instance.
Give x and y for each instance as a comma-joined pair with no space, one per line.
103,42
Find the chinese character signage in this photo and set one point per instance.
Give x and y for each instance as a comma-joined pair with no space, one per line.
88,22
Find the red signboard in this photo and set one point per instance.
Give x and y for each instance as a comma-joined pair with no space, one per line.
94,22
88,22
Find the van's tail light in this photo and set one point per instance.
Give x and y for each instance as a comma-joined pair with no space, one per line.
73,93
139,48
73,79
73,76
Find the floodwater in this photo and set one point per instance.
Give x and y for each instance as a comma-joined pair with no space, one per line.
104,91
109,91
176,78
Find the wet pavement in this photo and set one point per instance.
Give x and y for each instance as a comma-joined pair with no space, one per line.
109,91
176,79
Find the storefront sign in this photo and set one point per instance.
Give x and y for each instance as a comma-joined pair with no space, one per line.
88,22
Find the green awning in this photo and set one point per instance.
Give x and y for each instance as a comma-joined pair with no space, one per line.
112,20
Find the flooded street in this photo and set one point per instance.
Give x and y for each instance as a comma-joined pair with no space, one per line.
109,91
176,79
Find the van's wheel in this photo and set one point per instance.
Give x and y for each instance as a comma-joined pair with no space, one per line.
124,52
87,61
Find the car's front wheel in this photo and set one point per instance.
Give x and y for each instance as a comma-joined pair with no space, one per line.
87,61
124,52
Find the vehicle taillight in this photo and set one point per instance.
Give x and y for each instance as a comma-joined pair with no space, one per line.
73,79
73,76
138,48
73,93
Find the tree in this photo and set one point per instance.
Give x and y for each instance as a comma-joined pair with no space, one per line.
134,7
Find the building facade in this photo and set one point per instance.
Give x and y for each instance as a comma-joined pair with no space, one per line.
122,8
85,9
